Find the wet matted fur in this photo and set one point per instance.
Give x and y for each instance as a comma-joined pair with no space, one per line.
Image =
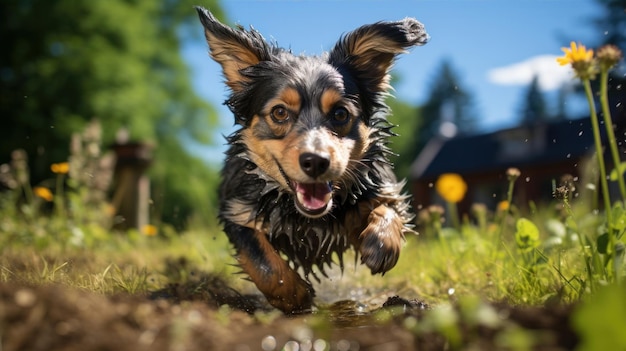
307,175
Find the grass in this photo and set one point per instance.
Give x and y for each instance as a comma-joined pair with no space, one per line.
554,253
545,256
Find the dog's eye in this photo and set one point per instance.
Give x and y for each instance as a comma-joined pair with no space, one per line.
279,114
340,115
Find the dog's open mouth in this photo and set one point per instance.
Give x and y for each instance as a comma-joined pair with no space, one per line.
313,199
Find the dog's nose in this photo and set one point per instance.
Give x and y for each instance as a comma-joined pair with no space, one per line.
314,165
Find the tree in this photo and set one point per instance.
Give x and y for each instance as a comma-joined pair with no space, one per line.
66,62
407,118
612,22
612,26
448,102
534,107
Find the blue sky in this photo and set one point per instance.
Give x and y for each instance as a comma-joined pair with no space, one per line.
496,46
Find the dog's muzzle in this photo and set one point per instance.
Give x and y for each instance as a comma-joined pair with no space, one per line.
313,199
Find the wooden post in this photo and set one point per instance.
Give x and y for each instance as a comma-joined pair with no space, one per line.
131,195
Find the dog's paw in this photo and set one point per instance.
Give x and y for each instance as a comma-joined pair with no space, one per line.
291,294
382,240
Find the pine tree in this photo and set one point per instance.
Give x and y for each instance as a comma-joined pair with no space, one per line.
448,101
534,108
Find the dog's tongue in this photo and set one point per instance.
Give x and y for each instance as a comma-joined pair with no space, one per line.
313,196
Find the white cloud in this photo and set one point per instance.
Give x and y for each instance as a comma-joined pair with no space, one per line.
551,74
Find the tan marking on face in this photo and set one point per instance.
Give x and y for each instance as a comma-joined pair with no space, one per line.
266,152
362,141
329,99
291,97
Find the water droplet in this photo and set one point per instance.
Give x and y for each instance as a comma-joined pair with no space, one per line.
568,155
606,32
268,343
343,345
618,104
319,345
430,185
580,133
618,87
553,141
291,346
281,282
527,179
451,291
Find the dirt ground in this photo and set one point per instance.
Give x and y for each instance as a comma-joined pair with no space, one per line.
194,317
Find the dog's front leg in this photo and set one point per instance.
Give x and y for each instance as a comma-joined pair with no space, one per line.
281,285
383,236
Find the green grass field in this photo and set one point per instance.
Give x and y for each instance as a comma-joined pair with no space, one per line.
462,270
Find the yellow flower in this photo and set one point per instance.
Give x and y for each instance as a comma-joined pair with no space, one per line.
60,168
451,187
503,206
575,53
43,193
581,60
149,230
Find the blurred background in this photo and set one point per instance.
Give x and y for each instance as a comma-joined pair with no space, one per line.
141,70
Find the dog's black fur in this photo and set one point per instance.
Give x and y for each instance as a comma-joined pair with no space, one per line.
307,175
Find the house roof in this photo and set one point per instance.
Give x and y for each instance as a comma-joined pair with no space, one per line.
536,144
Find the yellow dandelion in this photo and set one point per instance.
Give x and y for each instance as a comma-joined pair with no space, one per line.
451,187
149,230
60,168
43,193
581,59
576,53
503,206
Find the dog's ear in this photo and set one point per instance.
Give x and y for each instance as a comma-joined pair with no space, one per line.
369,51
234,49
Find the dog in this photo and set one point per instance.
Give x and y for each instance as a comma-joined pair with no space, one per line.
307,175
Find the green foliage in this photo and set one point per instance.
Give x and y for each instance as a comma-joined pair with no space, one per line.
601,320
67,62
527,235
407,118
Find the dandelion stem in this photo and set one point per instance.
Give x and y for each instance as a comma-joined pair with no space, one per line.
603,180
505,213
454,215
598,144
608,124
58,200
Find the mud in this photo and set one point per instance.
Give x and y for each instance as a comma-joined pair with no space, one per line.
206,314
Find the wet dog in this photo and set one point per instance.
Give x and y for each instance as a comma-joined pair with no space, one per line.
307,176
